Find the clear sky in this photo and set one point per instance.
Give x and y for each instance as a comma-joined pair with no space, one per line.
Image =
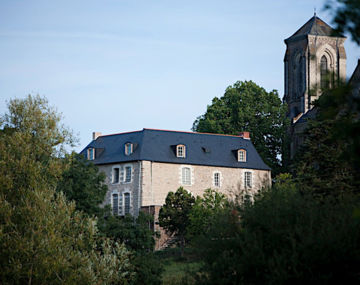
123,65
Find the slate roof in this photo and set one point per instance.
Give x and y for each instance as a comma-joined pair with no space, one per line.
315,26
160,146
311,114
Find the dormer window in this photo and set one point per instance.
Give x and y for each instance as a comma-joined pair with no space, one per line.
128,148
91,153
180,151
241,155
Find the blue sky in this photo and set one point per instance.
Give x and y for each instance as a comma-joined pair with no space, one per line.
116,65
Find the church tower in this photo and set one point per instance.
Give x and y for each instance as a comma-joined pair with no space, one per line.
315,59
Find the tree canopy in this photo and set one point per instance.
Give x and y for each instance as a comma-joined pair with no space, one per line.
82,183
246,106
346,16
174,214
43,239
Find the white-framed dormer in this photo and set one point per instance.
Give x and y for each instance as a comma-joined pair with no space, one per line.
216,179
186,175
91,153
241,155
181,151
129,148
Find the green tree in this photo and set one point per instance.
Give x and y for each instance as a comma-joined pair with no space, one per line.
43,239
174,214
136,234
82,182
329,162
284,237
204,212
346,16
247,107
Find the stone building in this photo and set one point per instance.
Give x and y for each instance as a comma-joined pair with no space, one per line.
141,167
315,59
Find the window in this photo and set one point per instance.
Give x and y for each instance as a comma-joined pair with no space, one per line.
242,155
91,153
128,148
127,203
128,174
116,175
248,180
186,176
217,179
115,203
180,151
324,80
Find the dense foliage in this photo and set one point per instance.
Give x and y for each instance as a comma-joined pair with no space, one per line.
284,237
43,239
329,162
174,214
138,237
202,214
247,107
346,16
82,183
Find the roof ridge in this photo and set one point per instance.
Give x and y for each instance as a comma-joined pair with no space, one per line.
121,133
188,132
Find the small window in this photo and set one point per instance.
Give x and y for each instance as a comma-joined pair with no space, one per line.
128,148
186,176
128,174
242,155
91,153
115,204
180,151
127,203
217,179
116,175
248,180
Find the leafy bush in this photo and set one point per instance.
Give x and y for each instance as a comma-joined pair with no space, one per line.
282,238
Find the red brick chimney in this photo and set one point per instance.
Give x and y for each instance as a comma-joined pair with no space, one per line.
95,135
244,135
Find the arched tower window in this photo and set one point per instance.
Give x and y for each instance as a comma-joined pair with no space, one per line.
324,76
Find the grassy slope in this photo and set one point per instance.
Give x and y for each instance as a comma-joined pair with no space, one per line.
177,269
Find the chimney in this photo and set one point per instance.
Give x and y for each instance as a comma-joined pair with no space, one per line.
244,135
96,135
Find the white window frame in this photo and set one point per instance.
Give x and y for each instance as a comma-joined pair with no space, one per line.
190,180
241,155
181,151
113,174
127,150
91,153
131,173
123,202
112,202
248,177
219,182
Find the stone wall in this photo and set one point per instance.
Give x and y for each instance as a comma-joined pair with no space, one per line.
132,187
161,178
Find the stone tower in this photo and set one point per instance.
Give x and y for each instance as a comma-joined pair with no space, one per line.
315,59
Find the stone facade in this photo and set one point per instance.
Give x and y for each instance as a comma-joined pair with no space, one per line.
314,59
152,181
161,178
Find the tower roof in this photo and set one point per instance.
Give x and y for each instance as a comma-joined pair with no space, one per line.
315,26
